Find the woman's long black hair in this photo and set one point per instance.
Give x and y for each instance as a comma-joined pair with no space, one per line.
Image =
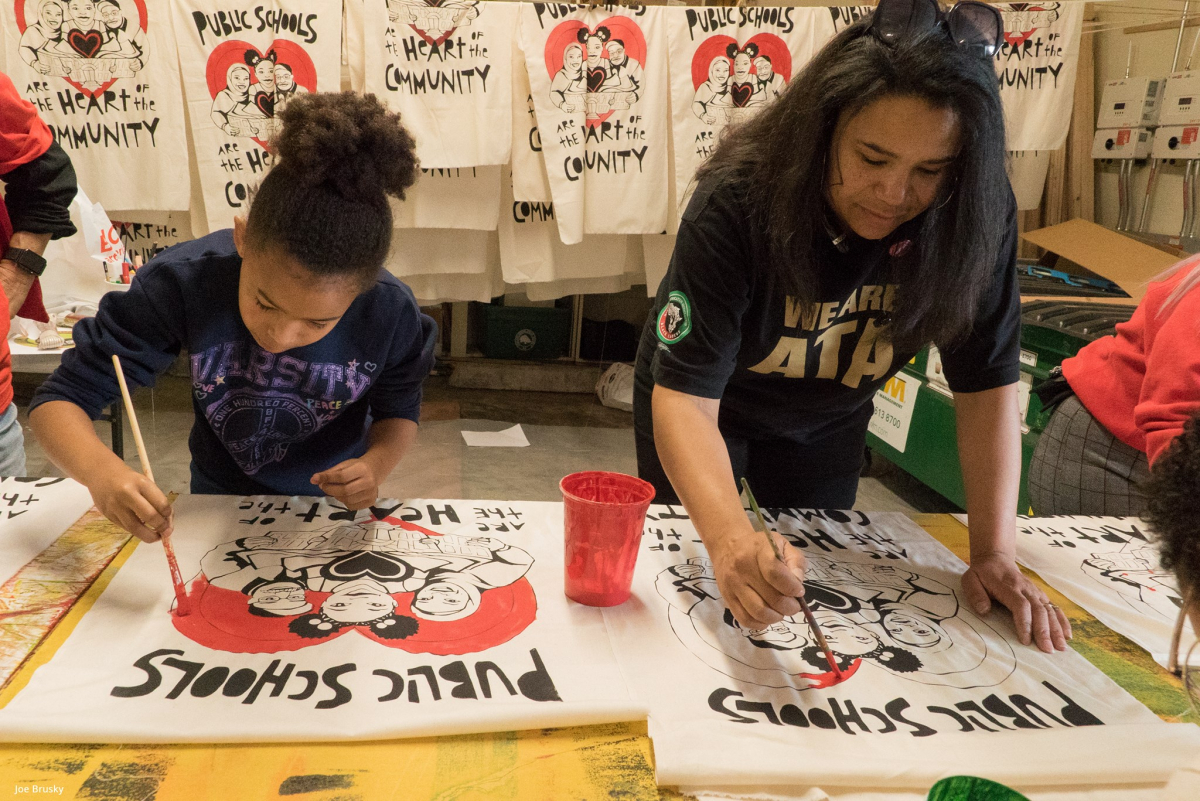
780,156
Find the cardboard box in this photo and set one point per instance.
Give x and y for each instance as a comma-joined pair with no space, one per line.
1128,263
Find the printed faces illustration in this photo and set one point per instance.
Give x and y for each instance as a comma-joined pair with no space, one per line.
401,585
875,617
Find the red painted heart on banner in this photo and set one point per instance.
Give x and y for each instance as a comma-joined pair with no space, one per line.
84,35
740,94
595,79
85,44
566,35
236,52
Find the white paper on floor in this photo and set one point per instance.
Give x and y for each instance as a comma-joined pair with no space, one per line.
928,690
420,618
34,512
508,438
1109,566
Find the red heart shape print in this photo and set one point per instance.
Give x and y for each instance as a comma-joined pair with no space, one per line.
85,44
265,103
595,79
740,93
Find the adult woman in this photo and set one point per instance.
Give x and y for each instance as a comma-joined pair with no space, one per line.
714,91
831,236
232,110
569,86
1121,400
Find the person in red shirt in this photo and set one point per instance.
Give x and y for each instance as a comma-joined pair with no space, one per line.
39,187
1130,395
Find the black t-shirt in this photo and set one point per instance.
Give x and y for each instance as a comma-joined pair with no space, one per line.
721,329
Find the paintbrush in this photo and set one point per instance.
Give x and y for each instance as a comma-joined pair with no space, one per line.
181,598
808,615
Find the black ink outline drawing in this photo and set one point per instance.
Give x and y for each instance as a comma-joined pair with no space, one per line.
875,616
1132,575
91,42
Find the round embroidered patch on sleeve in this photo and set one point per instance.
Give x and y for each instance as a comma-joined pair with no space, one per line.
675,320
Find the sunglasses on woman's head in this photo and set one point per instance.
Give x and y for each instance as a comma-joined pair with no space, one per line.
976,27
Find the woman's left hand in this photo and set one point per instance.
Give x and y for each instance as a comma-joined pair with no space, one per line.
352,482
997,576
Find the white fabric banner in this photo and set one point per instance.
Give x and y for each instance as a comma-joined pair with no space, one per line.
531,252
445,66
144,232
104,77
241,62
1027,170
454,198
928,688
436,251
34,512
416,618
1036,66
728,63
528,168
658,249
634,273
599,80
355,38
1109,566
442,265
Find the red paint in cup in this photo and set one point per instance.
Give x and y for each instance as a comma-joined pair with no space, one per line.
603,515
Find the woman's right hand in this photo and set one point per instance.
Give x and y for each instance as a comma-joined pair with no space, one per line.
134,503
758,588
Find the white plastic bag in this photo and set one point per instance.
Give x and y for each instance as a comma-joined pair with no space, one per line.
75,266
615,387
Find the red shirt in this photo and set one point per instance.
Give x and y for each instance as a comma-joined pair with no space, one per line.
1144,383
23,137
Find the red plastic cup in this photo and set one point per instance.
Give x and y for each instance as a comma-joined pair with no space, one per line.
603,515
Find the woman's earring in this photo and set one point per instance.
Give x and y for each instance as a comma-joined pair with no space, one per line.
944,202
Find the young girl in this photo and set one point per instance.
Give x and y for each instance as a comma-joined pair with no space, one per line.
306,356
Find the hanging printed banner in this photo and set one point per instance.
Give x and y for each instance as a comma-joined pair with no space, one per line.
306,621
445,66
532,253
728,63
530,182
147,233
1109,566
598,75
1027,170
242,62
452,198
1036,66
103,75
926,688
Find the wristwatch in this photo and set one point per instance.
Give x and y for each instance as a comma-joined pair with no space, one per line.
27,260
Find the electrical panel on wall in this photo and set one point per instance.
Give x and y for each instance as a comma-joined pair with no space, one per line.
1131,103
1176,142
1123,143
1181,101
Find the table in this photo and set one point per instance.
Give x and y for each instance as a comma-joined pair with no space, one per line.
28,359
613,761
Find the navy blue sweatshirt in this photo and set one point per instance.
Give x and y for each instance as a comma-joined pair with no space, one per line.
265,422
